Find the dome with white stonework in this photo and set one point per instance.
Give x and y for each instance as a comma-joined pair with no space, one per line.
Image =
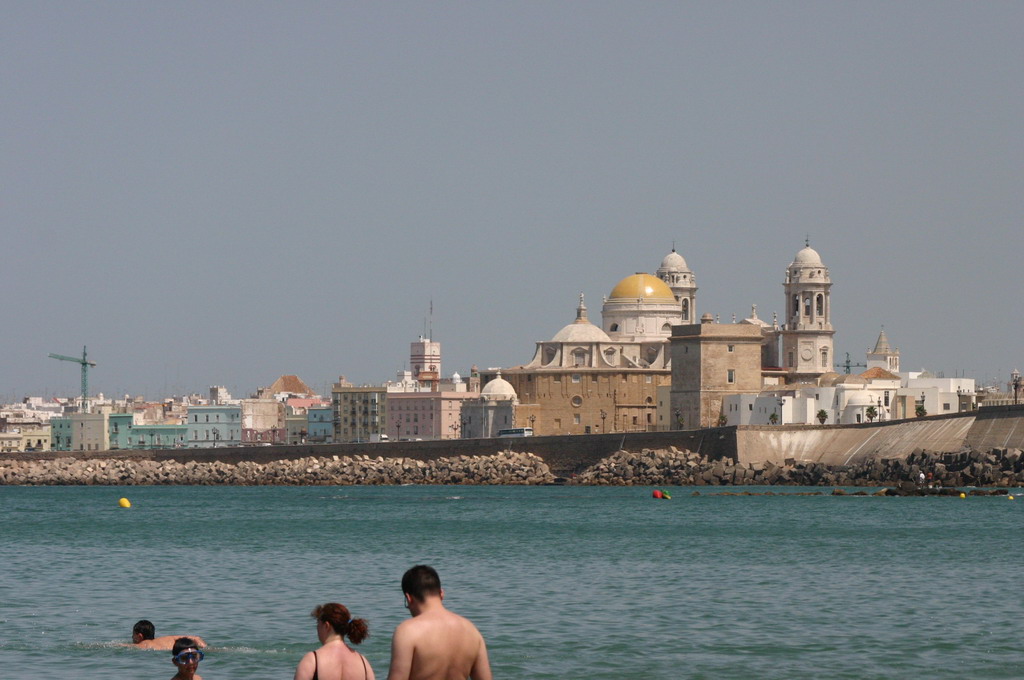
674,262
808,256
581,330
498,388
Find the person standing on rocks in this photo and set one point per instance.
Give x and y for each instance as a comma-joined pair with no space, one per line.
435,644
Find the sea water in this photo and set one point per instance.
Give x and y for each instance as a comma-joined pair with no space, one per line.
564,582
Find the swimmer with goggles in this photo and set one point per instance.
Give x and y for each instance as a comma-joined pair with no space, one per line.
186,655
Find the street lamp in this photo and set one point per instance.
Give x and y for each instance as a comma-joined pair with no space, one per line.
679,419
1015,382
532,418
781,402
604,414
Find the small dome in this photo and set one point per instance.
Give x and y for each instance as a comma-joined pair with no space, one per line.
581,332
828,379
808,256
860,399
642,287
499,388
674,262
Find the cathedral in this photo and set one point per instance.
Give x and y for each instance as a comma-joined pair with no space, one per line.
595,379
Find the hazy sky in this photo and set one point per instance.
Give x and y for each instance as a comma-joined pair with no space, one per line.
224,192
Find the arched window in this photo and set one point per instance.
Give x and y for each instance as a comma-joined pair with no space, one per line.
686,310
824,358
614,327
807,306
820,306
796,305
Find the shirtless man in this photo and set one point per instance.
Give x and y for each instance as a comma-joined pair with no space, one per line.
143,637
435,644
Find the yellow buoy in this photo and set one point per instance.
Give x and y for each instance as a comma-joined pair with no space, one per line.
1010,497
963,495
125,503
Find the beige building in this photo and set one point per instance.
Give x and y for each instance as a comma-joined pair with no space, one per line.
360,412
709,362
585,380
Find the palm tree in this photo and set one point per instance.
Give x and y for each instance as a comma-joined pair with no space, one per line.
822,416
871,413
723,420
773,418
920,411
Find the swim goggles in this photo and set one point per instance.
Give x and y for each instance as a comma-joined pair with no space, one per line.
188,656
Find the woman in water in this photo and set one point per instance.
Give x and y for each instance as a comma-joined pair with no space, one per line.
335,660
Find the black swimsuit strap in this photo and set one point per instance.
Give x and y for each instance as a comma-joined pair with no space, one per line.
316,666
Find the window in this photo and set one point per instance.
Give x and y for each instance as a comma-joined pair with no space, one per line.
576,419
731,377
577,401
732,348
824,358
945,407
575,377
820,305
556,378
750,407
686,310
887,397
614,327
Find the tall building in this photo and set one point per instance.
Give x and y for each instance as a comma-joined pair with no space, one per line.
677,275
807,334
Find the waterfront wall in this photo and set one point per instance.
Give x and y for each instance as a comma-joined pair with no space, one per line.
566,456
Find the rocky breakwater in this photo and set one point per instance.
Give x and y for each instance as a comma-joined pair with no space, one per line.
997,467
502,468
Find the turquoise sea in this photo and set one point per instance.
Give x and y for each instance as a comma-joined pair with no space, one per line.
564,582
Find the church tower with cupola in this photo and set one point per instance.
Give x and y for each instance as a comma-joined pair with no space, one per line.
678,277
807,335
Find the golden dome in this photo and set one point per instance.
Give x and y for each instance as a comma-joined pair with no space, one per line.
641,287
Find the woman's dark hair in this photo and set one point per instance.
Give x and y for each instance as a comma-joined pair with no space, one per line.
342,622
420,581
182,644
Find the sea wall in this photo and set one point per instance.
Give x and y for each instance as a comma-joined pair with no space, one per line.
649,467
502,468
998,467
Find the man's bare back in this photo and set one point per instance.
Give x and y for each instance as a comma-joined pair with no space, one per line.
435,644
440,645
165,642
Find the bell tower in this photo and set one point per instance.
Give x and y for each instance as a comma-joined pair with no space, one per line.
807,334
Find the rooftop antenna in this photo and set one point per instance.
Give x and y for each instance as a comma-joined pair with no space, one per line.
430,331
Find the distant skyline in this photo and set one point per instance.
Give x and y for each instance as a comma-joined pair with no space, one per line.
222,193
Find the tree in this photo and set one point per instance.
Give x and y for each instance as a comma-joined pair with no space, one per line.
723,420
920,411
871,413
773,418
822,416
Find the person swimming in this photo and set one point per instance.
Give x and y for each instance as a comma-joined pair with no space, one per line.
144,637
186,655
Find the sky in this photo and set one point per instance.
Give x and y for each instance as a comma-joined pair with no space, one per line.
222,193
